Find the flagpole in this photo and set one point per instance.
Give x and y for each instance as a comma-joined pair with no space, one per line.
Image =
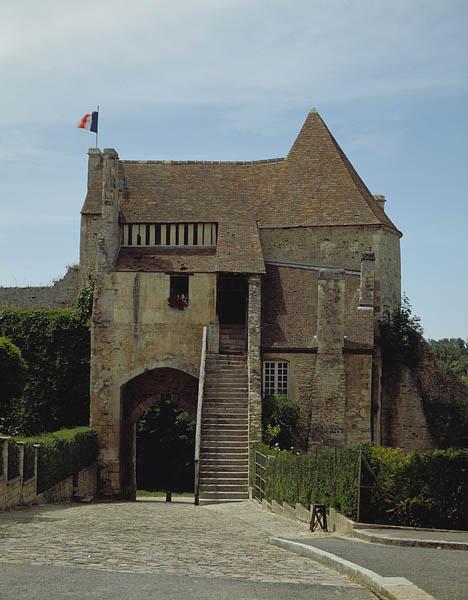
97,129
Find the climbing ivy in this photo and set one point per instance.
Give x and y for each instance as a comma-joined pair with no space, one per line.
401,338
84,302
13,370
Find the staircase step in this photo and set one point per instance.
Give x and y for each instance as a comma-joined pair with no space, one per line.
211,474
226,488
225,463
224,496
233,454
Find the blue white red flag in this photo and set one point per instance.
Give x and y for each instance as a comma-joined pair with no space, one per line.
89,121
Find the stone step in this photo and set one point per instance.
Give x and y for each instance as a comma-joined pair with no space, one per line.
224,419
225,443
227,429
217,438
218,391
221,423
222,386
225,465
234,402
223,496
216,473
215,430
222,455
227,360
225,409
231,488
226,376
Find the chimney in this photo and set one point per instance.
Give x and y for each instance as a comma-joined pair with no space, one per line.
94,163
380,199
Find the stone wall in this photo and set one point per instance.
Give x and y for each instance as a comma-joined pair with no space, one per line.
61,492
341,247
357,386
289,309
133,331
61,294
358,382
405,394
86,481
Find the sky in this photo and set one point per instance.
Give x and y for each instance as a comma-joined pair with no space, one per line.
234,80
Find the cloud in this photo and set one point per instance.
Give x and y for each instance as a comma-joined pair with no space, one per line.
56,56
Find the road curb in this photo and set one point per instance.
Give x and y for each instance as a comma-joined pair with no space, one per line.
388,588
413,542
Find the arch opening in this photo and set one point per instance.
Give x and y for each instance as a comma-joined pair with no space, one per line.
158,415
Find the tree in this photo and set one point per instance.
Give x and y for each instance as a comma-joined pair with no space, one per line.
401,338
452,356
12,377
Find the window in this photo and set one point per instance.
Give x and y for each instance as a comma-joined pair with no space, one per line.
169,234
179,292
275,378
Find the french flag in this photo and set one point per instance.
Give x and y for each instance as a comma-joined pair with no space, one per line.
89,121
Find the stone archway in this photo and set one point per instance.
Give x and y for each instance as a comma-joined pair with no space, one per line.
139,394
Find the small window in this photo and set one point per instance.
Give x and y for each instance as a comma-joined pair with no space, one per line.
275,378
179,292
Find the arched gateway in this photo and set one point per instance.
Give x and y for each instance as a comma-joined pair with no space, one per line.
138,395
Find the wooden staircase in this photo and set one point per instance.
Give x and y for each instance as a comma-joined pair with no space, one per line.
224,454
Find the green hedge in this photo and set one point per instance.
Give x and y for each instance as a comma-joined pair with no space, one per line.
63,453
55,343
428,489
325,475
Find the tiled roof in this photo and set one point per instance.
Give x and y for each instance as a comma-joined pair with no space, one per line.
314,185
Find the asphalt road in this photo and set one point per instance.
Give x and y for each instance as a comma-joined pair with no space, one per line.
420,534
441,573
30,582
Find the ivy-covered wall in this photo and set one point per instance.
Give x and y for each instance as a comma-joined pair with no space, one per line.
423,406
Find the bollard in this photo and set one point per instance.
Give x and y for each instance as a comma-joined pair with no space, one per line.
168,496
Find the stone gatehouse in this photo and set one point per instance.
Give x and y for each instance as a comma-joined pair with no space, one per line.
288,263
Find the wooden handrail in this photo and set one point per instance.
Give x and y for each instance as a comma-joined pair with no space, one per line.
201,386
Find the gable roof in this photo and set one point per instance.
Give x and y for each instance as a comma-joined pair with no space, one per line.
315,184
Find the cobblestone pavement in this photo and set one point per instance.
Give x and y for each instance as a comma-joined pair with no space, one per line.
227,540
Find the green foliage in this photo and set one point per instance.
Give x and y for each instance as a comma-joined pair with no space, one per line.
427,489
280,420
447,420
63,453
84,302
401,338
165,448
12,379
325,475
452,356
55,343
